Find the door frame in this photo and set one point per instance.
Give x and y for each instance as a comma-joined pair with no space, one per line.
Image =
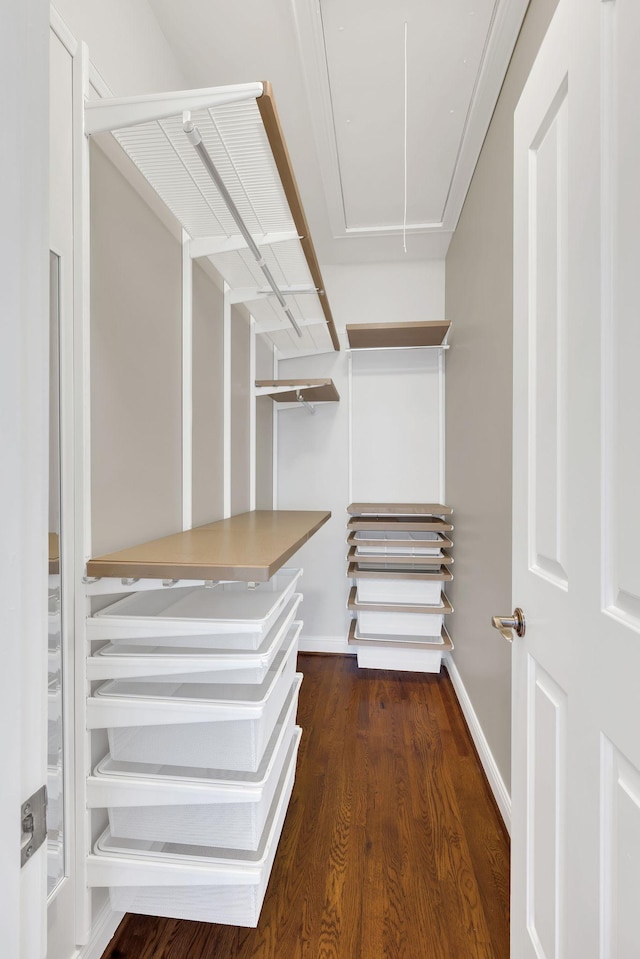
24,274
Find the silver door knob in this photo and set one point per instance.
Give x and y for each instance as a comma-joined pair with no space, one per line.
505,624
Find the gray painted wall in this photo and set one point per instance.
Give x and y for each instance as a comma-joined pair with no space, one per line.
264,427
135,366
479,290
208,399
241,399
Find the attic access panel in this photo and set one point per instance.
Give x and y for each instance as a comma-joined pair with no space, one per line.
241,132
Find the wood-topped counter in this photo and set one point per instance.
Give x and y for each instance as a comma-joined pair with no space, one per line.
403,509
249,547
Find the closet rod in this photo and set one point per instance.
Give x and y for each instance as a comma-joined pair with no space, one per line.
195,139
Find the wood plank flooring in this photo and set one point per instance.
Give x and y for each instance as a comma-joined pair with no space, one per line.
392,846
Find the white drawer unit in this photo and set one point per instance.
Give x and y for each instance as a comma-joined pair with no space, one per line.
197,882
410,584
194,724
411,624
202,807
193,664
398,563
240,613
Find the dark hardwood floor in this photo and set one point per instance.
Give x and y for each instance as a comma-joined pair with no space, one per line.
392,846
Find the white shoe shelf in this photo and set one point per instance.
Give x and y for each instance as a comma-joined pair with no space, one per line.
399,563
192,681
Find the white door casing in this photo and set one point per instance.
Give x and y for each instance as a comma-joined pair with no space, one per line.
576,572
24,282
61,926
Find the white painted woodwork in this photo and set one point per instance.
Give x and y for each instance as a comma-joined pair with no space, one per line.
24,276
396,444
338,73
61,939
576,712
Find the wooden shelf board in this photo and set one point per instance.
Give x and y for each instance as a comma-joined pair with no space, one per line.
249,547
389,643
54,553
355,572
367,336
354,606
400,523
403,509
312,391
442,543
275,135
395,559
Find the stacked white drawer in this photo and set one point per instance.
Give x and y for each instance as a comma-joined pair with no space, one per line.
399,564
197,690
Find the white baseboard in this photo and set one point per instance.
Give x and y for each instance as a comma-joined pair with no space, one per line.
102,932
500,791
325,644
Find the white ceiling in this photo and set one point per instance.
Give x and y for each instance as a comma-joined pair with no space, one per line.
337,69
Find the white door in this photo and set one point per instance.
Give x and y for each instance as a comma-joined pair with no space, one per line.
24,322
61,872
576,546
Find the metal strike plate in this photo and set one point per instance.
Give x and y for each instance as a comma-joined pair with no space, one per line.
33,824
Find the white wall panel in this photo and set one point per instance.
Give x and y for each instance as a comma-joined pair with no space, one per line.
313,453
397,445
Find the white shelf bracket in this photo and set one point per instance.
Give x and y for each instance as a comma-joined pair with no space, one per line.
308,406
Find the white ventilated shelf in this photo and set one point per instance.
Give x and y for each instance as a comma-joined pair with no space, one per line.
430,561
239,614
241,132
192,664
191,882
401,543
194,724
214,808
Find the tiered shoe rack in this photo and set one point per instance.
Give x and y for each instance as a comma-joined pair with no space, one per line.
196,686
399,565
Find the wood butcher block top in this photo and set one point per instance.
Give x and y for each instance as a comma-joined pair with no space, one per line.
403,509
367,336
249,547
54,553
313,391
